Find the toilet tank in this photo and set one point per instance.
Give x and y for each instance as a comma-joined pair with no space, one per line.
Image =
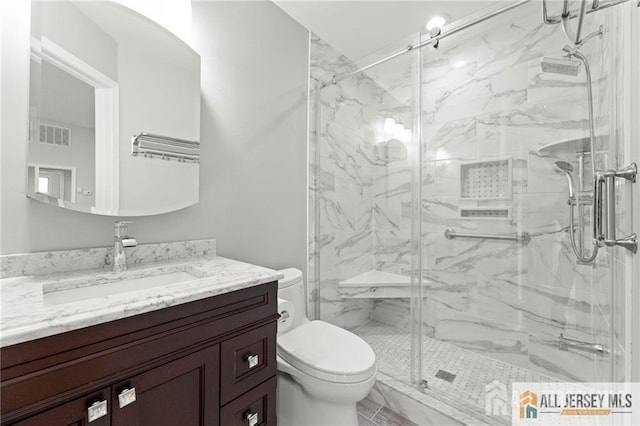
291,288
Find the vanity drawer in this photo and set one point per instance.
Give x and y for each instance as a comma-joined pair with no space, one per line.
256,408
246,361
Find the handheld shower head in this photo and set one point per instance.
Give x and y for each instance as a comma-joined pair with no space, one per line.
560,66
564,167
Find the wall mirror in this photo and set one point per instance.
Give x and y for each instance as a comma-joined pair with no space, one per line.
114,124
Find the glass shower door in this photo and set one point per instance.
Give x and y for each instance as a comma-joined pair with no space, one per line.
504,298
365,205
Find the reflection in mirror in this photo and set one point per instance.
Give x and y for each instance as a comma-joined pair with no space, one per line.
62,133
101,73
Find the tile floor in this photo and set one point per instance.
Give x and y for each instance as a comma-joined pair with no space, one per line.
371,413
472,371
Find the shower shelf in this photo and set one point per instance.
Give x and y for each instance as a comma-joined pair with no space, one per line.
376,284
486,180
571,147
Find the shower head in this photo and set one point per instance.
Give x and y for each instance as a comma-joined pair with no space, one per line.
565,168
560,66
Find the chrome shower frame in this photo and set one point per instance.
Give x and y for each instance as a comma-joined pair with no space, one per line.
566,15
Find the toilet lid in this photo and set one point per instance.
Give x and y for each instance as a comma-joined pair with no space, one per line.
327,352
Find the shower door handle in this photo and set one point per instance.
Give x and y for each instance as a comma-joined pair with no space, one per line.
598,236
608,237
564,344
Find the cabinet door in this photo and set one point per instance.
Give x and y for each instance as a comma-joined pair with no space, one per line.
184,392
76,412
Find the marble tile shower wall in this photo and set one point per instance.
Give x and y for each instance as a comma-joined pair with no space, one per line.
484,97
360,185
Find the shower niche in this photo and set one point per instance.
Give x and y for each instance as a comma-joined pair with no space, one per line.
486,180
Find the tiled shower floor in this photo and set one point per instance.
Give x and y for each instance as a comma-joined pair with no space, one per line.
472,371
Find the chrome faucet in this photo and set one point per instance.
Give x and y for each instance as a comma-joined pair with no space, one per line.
121,241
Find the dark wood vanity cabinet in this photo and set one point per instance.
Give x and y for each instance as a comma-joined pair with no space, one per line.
207,362
72,413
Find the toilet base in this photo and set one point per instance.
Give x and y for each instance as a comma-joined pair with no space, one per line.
298,408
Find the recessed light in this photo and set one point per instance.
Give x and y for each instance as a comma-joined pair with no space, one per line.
436,22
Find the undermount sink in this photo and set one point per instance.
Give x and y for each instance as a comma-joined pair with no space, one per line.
60,292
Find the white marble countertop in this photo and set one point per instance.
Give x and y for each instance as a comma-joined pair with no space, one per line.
35,306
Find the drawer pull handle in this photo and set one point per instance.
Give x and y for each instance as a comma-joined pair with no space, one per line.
96,410
126,397
252,360
252,418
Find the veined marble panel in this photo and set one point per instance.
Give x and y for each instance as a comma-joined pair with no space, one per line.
441,178
461,100
394,312
344,153
347,313
543,213
326,60
393,184
541,181
28,314
455,139
50,262
523,125
453,61
393,253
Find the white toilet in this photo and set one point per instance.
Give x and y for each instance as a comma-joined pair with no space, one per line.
323,370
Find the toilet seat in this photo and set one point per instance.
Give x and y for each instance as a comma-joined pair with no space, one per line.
327,352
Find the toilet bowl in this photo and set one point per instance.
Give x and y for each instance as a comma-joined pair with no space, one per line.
323,370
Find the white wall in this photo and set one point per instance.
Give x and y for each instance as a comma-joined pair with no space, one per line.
157,96
254,80
253,129
62,23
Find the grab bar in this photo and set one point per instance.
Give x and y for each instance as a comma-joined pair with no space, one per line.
522,238
564,344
